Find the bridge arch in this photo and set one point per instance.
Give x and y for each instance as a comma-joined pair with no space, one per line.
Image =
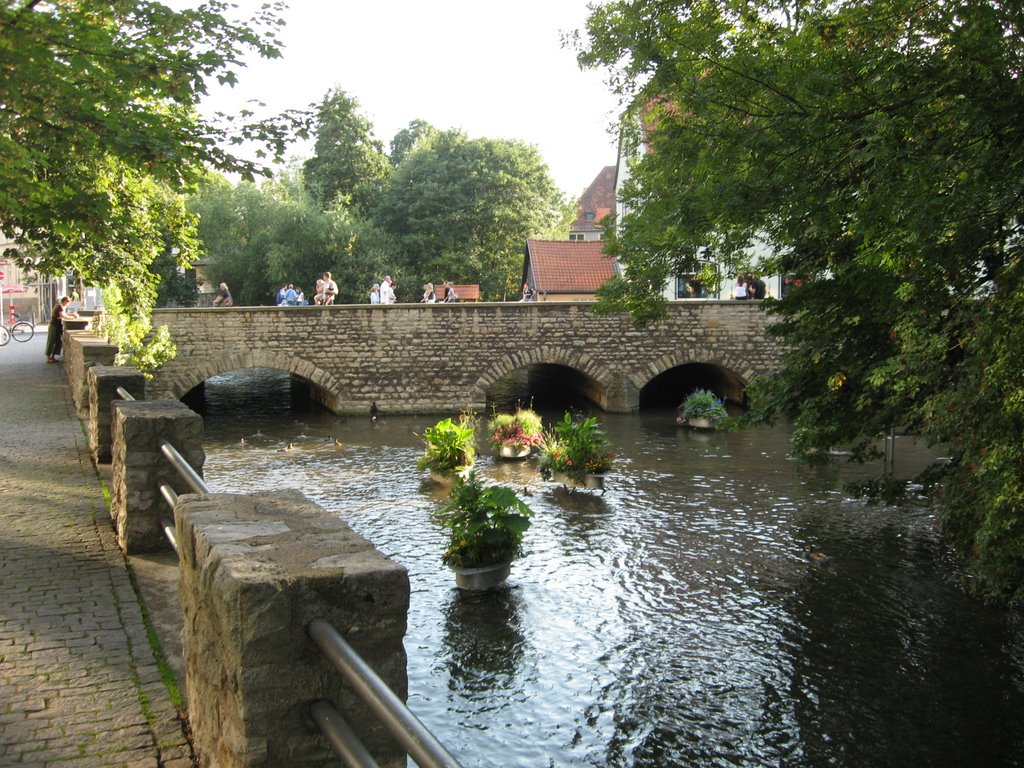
596,380
202,368
662,378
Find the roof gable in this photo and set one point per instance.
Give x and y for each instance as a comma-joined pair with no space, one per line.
598,199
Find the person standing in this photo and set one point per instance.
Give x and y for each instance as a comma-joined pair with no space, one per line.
375,294
428,294
55,333
387,291
527,292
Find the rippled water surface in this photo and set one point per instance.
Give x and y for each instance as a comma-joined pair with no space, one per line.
719,605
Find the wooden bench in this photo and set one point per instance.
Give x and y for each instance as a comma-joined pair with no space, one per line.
465,292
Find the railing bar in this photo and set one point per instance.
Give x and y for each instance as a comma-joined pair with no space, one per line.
195,482
422,746
342,737
167,523
124,393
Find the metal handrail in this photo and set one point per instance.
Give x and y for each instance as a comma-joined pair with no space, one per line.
180,463
414,737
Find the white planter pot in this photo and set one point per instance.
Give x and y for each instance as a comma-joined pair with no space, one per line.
514,451
594,482
447,480
700,423
482,578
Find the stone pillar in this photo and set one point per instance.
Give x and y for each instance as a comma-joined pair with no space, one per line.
255,570
82,350
138,467
103,383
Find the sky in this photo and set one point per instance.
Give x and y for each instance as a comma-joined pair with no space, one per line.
492,70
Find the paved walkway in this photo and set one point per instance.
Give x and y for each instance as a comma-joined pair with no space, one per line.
79,686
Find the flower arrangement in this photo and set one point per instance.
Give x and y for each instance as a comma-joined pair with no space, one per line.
450,446
576,447
522,429
485,523
703,404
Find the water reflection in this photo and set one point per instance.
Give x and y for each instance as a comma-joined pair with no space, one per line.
484,641
719,605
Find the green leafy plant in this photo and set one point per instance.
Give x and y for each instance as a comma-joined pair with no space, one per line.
521,429
576,447
703,404
486,524
450,445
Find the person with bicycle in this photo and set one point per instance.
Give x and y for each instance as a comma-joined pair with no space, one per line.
55,335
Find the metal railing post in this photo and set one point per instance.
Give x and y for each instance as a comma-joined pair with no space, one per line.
414,737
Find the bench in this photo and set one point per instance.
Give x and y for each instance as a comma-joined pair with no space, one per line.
465,292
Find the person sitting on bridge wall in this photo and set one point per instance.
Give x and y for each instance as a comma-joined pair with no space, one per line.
330,289
223,298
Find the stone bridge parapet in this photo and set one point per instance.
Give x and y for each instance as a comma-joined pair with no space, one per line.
444,357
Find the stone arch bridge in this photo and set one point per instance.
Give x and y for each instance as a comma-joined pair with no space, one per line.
445,357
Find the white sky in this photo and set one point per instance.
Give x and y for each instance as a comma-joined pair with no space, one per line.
492,70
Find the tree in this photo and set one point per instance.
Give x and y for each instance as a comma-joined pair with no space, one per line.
462,209
259,237
347,163
876,148
99,133
407,139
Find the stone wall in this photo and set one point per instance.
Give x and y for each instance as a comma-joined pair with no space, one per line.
104,381
255,570
138,467
422,358
82,350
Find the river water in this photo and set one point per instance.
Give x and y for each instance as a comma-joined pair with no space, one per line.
719,605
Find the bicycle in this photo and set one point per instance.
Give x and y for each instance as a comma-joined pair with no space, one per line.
19,330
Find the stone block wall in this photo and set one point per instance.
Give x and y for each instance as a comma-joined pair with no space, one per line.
82,350
255,570
138,467
443,357
104,381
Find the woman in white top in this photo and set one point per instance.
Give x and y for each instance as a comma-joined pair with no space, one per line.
428,294
740,291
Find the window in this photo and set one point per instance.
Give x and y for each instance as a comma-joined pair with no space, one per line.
575,237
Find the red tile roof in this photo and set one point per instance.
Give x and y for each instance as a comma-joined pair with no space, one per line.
562,266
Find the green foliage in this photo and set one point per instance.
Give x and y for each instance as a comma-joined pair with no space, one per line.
138,344
486,524
703,404
524,428
576,447
873,148
99,132
348,164
450,446
259,237
461,209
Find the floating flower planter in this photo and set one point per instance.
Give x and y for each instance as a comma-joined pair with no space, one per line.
576,453
485,526
449,449
513,435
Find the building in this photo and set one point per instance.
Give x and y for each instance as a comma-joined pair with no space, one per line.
566,270
597,202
